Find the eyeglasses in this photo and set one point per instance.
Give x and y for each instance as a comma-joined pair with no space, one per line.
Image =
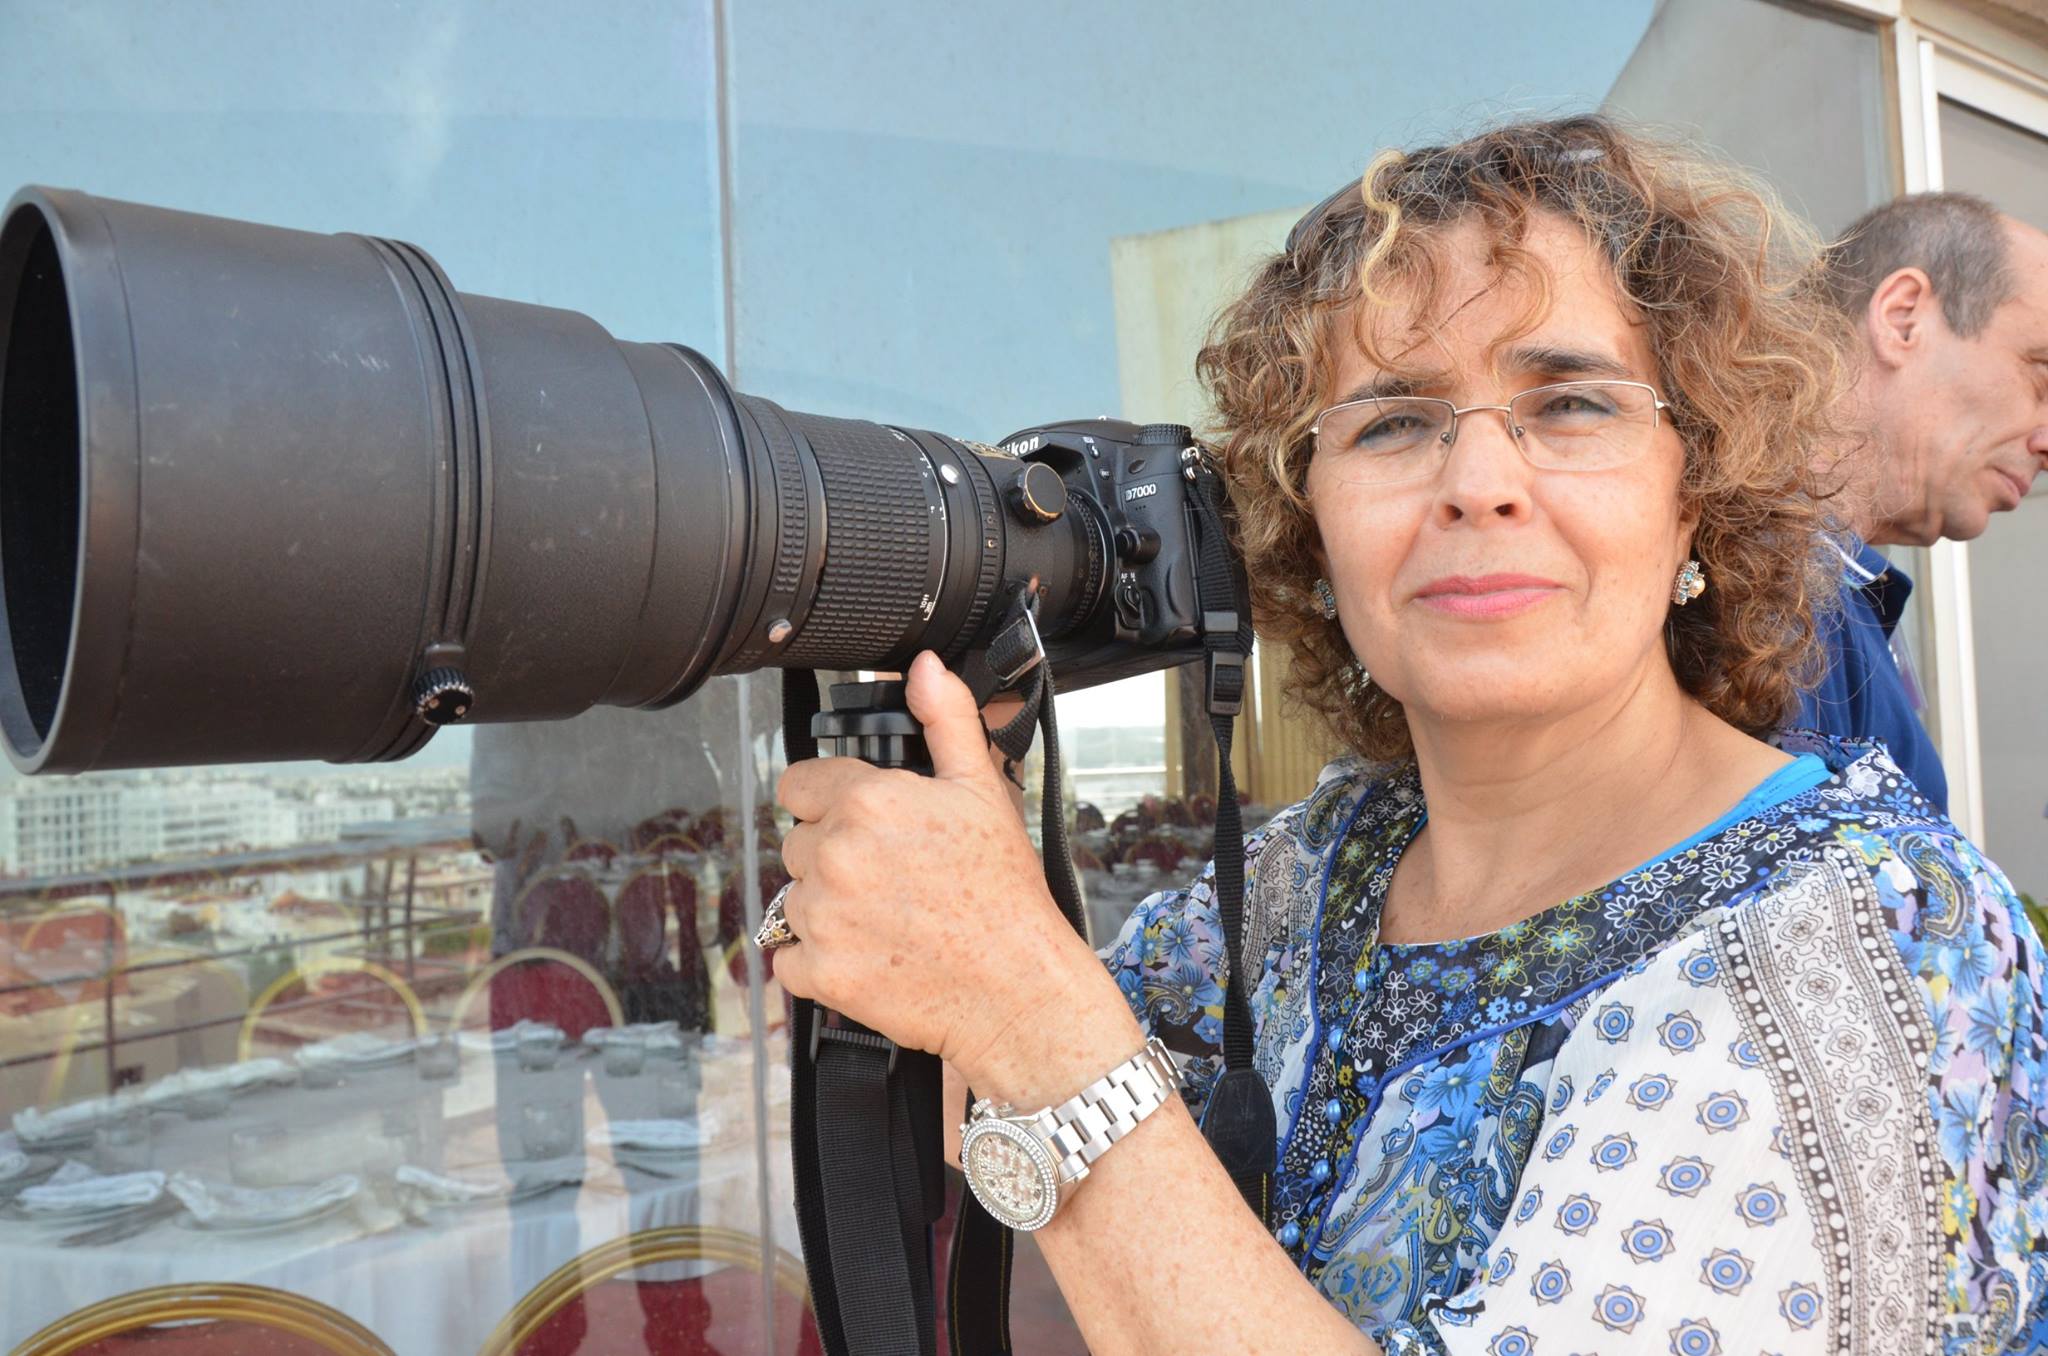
1570,426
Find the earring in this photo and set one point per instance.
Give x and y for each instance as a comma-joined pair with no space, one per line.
1326,600
1690,584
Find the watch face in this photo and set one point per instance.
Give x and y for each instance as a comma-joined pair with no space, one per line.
1010,1173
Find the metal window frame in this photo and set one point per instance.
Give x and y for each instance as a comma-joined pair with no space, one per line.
1930,64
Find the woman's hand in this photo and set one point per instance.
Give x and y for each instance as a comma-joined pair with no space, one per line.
922,912
921,907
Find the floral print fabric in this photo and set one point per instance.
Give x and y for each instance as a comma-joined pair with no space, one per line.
1779,1089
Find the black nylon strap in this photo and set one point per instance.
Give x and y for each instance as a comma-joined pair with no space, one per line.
1052,816
865,1156
978,1281
799,704
978,1277
1239,1122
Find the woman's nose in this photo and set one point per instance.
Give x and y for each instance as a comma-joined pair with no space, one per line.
1485,475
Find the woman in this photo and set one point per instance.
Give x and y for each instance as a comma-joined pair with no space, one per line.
1517,432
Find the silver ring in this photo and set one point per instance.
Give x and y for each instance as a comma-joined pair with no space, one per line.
774,930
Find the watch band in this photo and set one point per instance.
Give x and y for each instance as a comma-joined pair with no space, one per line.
1082,1128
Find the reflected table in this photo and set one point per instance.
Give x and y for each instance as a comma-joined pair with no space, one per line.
434,1281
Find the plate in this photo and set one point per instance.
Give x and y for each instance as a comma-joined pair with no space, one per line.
220,1207
186,1219
667,1137
537,1188
505,1039
18,1170
60,1144
148,1187
356,1050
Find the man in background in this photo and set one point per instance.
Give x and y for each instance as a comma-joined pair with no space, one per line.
1950,298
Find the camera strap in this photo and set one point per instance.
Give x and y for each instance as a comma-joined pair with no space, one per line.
865,1153
978,1277
1238,1121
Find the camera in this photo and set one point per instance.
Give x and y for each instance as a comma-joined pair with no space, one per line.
268,494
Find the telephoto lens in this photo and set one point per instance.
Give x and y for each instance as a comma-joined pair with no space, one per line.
268,494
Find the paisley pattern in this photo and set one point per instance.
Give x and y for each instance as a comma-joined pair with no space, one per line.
1783,1084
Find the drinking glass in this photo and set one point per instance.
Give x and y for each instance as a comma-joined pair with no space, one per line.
438,1056
125,1141
204,1104
539,1047
256,1155
625,1054
675,1094
320,1073
547,1129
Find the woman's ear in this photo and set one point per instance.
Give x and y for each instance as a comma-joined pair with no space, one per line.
1688,525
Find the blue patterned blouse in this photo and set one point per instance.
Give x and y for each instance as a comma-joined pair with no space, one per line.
1780,1088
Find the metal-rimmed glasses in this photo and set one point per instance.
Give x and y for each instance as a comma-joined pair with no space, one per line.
1566,426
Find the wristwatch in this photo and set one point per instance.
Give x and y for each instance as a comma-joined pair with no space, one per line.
1023,1168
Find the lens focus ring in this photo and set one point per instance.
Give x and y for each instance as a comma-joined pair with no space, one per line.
881,539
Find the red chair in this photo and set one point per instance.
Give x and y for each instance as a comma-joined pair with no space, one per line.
197,1317
715,1315
641,913
544,985
595,1304
565,909
662,980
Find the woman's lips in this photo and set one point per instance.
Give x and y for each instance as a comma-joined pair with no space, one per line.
1486,597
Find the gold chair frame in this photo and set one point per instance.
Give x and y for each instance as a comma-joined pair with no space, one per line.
277,1309
75,1022
679,842
59,1073
532,953
245,1041
676,1243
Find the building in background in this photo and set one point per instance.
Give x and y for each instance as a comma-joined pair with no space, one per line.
59,827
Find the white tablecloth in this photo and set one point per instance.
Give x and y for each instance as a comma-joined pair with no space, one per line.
439,1288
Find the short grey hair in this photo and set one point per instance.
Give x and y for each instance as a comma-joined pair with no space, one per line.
1957,239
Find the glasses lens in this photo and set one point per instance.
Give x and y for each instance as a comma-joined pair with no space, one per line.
1376,442
1585,425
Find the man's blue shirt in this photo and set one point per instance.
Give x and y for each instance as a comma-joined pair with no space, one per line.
1864,694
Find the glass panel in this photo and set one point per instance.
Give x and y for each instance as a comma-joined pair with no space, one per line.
1990,156
417,972
367,1020
2008,165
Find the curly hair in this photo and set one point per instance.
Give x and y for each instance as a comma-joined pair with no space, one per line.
1751,355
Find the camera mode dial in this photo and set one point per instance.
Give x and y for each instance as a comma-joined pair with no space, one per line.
1165,435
